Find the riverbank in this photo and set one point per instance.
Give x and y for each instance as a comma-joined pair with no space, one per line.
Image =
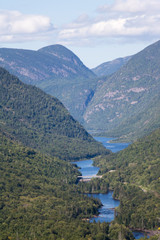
147,232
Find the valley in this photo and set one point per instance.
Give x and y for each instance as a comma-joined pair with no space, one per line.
122,103
43,142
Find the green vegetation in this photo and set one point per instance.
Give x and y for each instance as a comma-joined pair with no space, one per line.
96,185
56,70
39,196
40,121
40,200
127,104
134,174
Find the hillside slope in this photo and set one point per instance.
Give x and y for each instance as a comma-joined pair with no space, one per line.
126,102
38,193
54,69
41,121
40,200
110,67
134,174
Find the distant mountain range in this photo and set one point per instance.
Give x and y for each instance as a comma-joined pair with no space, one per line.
108,68
54,69
40,121
127,103
124,103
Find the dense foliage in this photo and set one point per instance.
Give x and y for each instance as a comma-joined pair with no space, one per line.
125,103
35,192
134,174
56,70
41,121
40,200
96,185
128,102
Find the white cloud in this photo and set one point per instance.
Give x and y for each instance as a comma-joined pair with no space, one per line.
15,26
135,6
123,19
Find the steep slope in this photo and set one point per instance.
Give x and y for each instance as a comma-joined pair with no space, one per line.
41,121
134,173
138,163
126,102
140,124
38,195
40,200
108,68
56,70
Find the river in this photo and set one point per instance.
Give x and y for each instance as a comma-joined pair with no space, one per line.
106,212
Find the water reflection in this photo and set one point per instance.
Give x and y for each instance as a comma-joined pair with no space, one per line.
106,212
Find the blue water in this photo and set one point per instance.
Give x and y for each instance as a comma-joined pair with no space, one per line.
106,212
139,235
114,147
86,168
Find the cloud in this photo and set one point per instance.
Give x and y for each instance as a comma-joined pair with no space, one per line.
123,19
135,6
15,26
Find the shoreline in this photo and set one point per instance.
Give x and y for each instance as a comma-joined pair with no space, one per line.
149,233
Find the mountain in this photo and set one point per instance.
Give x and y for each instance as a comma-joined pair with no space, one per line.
124,104
108,68
128,102
41,121
54,69
52,62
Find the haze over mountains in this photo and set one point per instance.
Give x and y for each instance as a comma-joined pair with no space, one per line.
124,104
56,70
128,102
108,68
40,197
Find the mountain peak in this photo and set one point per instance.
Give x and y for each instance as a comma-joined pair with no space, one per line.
61,52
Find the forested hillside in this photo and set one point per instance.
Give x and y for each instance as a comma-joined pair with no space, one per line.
134,174
41,121
127,103
124,104
40,200
56,70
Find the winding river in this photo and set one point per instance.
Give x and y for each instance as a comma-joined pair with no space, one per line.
106,212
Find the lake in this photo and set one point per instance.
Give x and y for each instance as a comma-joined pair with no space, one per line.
114,147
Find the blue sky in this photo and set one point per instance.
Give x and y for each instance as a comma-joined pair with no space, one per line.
97,31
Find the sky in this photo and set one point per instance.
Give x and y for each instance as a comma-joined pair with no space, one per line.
97,31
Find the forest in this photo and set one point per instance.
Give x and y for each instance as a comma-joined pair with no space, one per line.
134,175
40,200
40,121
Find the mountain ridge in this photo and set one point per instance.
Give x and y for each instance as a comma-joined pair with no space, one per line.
56,70
110,104
40,121
110,67
126,94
